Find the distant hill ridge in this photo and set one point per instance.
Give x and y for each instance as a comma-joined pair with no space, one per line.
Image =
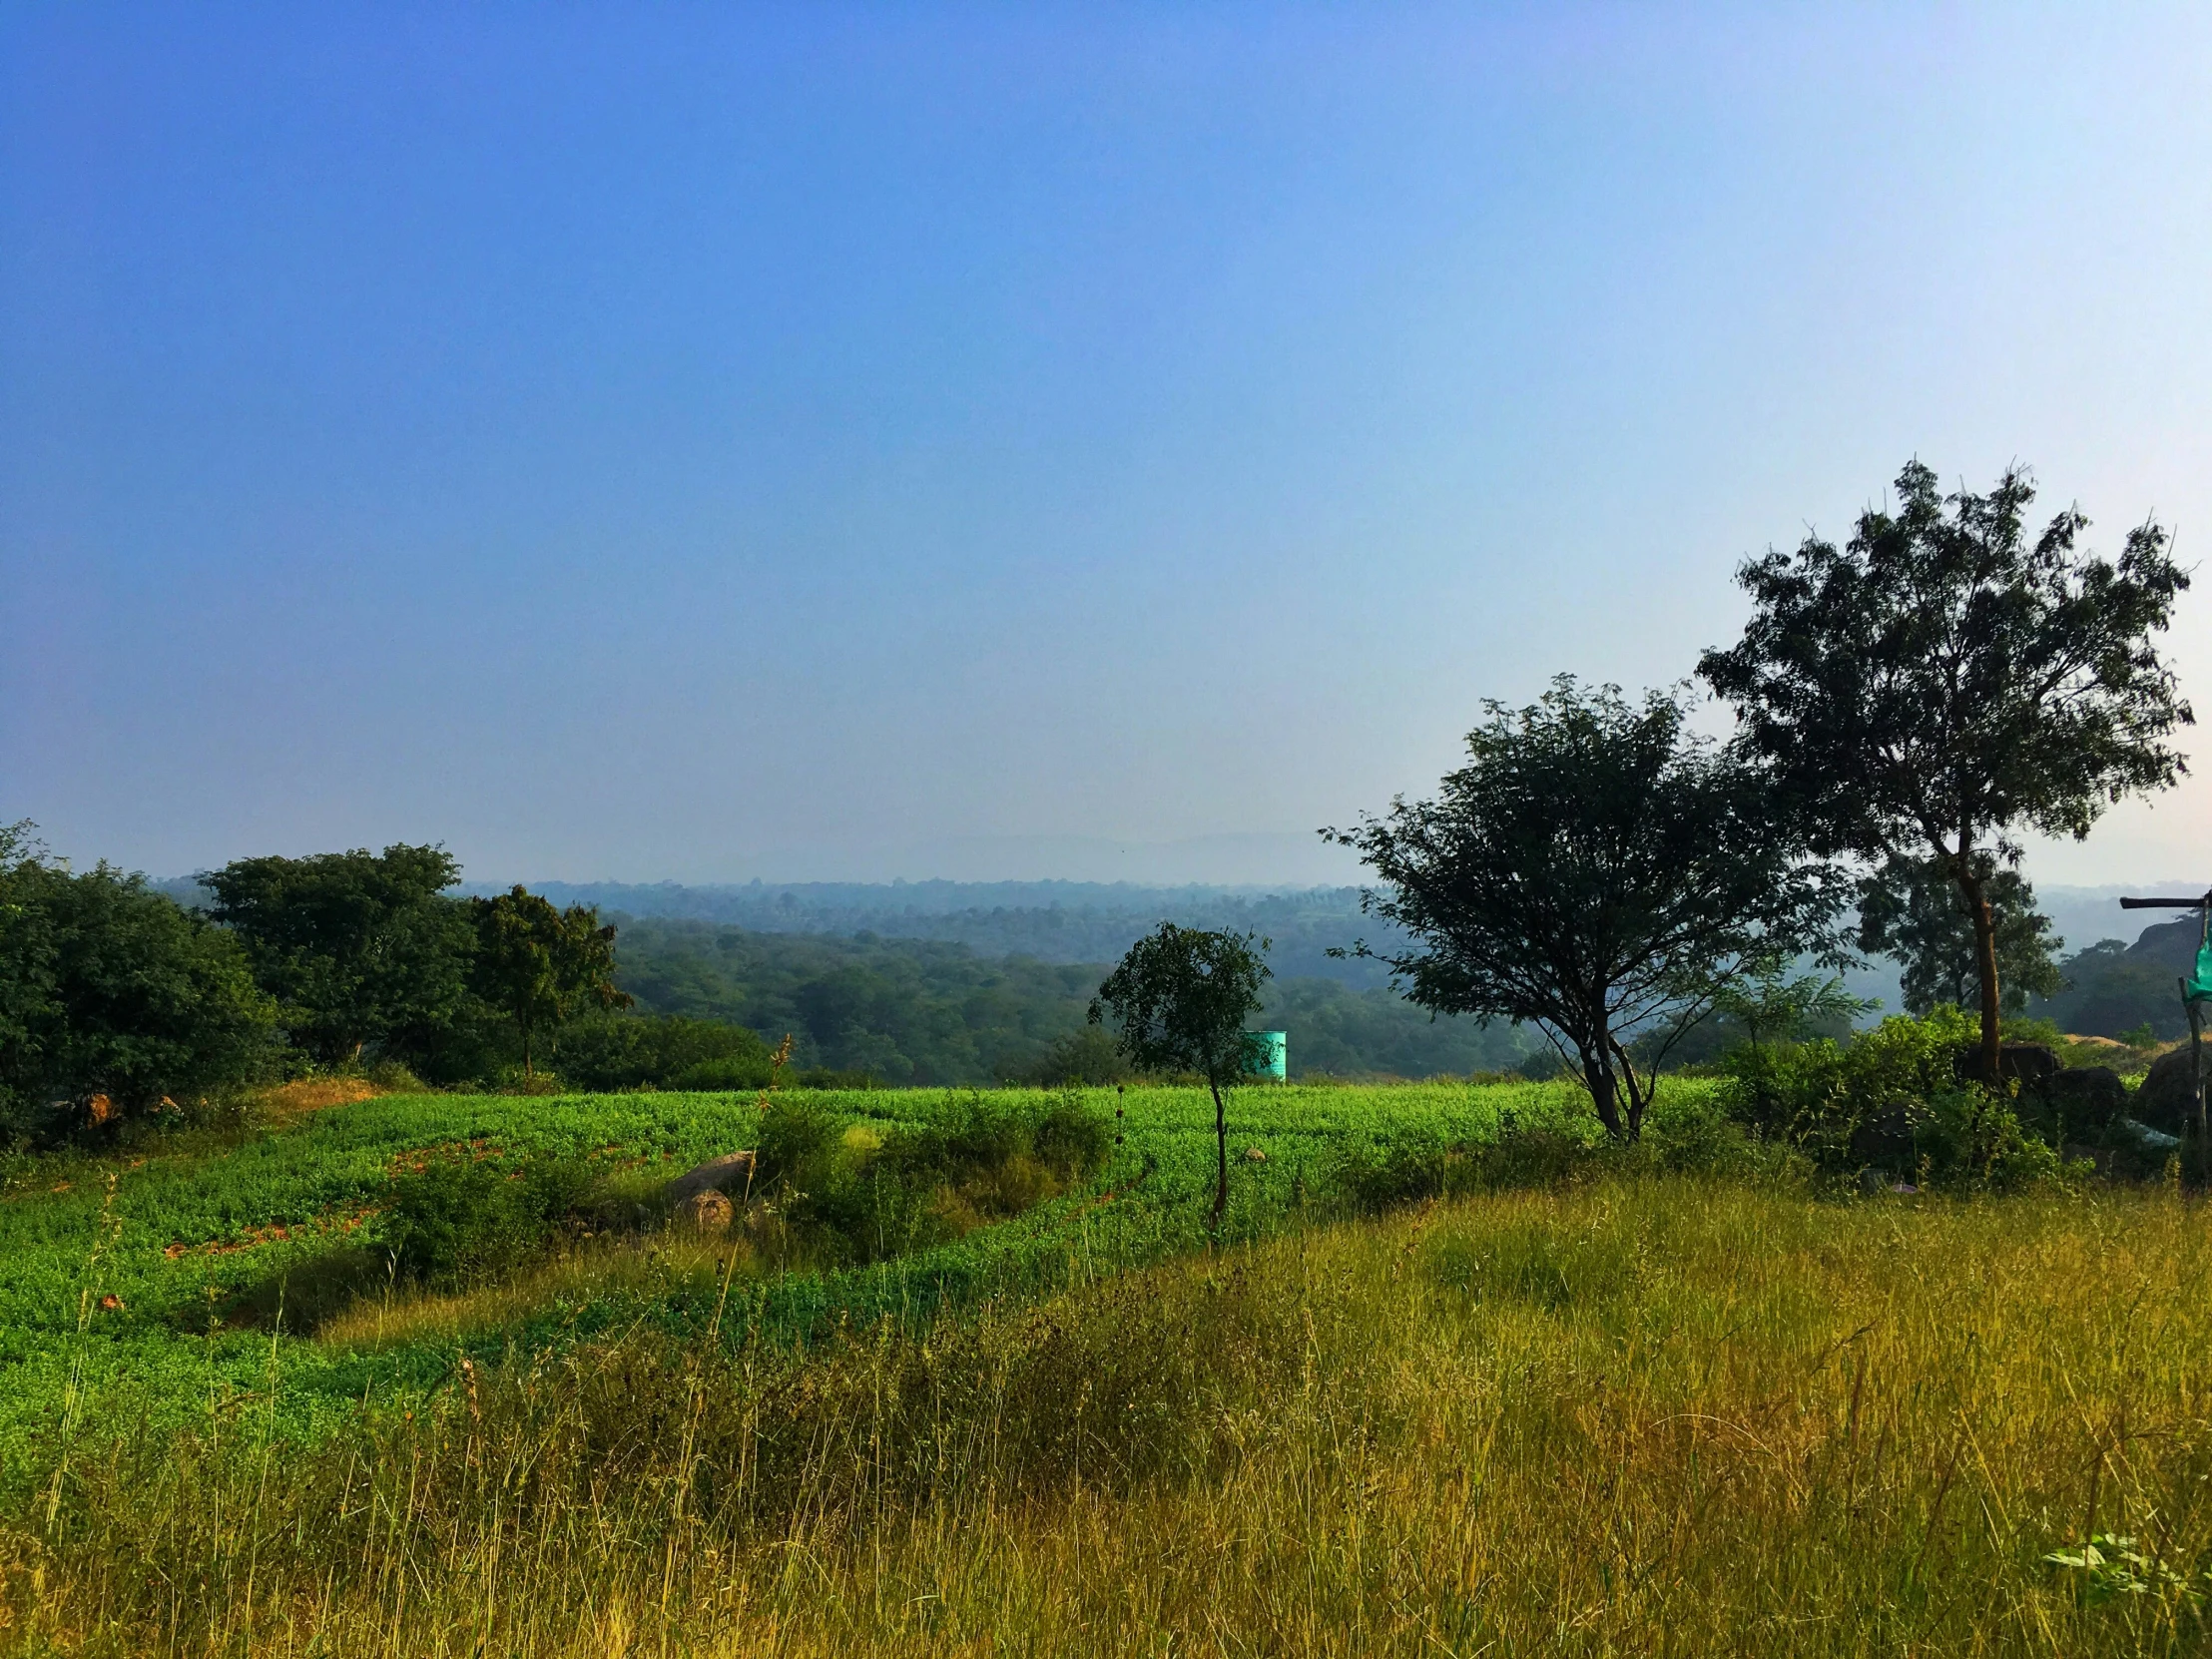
1054,921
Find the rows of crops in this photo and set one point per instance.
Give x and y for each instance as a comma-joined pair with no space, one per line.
119,1273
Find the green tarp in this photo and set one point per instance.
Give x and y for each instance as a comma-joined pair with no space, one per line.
2198,987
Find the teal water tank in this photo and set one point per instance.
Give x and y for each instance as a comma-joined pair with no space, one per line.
1271,1055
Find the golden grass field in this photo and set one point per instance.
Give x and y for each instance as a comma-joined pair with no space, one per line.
1636,1415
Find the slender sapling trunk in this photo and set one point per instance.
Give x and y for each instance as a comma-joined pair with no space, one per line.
1221,1149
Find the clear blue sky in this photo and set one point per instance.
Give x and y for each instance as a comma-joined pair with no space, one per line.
705,443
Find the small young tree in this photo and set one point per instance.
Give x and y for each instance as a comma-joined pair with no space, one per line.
1912,910
1179,1001
539,966
1596,871
1769,1003
1941,682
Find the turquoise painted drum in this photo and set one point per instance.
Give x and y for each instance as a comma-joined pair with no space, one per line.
1271,1055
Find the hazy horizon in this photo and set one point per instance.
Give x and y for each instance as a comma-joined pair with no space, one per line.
783,442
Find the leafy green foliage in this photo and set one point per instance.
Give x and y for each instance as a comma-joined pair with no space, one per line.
1339,1031
915,1011
1912,910
541,966
2113,989
1180,998
1940,683
907,1011
360,949
1087,1056
460,1219
1889,1099
1768,1004
732,1073
1370,1175
114,999
2115,1565
1596,870
628,1051
845,1195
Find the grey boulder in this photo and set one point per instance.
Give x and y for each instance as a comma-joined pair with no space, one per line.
2166,1098
2087,1097
716,1175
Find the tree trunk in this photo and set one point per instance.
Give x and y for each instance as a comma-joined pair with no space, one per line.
1597,1076
1220,1148
1985,963
1639,1095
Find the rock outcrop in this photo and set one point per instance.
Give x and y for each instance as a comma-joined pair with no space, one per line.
730,1170
705,1210
2166,1100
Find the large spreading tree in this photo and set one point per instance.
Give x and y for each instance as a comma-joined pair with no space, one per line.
359,947
1944,681
112,998
1599,871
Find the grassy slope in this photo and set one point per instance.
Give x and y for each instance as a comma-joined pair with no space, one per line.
1667,1416
198,1225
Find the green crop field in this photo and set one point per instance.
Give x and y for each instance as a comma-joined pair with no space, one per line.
1627,1411
140,1284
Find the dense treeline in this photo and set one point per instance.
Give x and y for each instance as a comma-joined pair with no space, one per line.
111,997
118,1002
924,1011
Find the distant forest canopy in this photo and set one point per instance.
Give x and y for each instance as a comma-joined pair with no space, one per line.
1054,921
911,997
935,1011
2115,987
931,984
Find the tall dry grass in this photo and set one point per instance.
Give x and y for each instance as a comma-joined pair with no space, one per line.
1645,1417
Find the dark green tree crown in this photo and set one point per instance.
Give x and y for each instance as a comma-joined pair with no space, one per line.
1589,849
1180,998
1942,673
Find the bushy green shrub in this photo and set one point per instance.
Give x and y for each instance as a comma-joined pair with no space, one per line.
520,1079
456,1221
857,1195
1889,1100
1086,1055
628,1051
1071,1140
115,1003
1698,1136
1368,1177
390,1074
797,1136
